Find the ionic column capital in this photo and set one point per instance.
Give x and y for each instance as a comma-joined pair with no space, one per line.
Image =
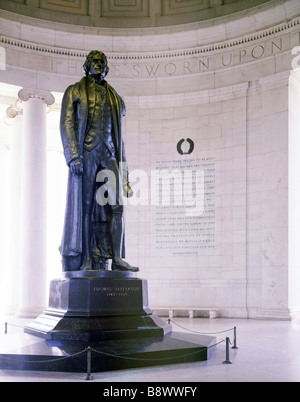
26,93
13,111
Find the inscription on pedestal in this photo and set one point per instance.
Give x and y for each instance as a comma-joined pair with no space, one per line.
99,296
118,291
115,296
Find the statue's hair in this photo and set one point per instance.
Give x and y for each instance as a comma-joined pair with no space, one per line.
89,59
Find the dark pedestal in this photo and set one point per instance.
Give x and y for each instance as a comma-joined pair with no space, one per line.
94,306
106,313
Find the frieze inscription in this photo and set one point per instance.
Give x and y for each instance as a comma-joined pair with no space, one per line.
153,65
209,61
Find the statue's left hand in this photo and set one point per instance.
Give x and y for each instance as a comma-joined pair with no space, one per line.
128,193
76,166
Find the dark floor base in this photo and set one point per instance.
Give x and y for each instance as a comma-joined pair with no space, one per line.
28,352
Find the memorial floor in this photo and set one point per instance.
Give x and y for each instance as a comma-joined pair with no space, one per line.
268,351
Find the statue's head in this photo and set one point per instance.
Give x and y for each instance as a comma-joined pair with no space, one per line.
96,64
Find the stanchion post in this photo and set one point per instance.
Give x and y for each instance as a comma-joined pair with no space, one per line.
89,377
227,361
5,328
234,339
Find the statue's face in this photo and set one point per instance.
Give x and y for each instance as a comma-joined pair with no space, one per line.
98,66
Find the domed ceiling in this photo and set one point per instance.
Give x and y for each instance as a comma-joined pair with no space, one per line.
127,13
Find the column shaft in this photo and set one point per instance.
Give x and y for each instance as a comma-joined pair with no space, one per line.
33,211
12,275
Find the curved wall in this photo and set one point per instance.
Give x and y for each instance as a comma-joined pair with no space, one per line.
224,84
146,62
127,14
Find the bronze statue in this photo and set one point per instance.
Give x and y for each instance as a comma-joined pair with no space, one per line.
91,132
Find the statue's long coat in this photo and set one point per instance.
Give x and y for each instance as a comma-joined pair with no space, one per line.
73,128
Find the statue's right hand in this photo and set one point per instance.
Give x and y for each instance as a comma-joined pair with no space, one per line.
76,166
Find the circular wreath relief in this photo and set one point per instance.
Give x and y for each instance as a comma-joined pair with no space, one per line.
179,147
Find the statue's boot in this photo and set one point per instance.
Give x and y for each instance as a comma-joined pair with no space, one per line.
86,265
120,265
116,232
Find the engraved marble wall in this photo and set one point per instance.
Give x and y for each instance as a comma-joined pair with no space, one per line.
213,271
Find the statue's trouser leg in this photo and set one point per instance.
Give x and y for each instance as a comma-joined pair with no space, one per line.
95,161
117,221
115,200
116,230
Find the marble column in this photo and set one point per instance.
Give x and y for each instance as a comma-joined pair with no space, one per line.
294,197
15,113
33,274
